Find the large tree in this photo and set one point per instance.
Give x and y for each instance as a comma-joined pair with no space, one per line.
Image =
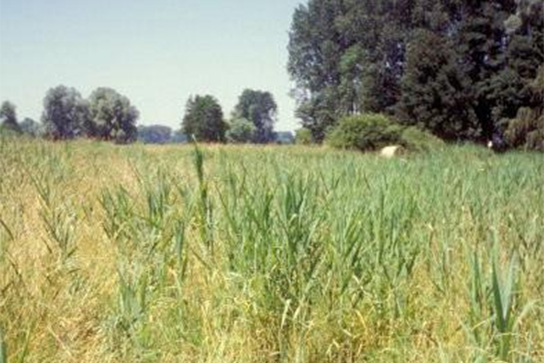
346,57
65,113
112,117
8,117
355,56
315,44
480,42
204,119
433,89
260,108
524,54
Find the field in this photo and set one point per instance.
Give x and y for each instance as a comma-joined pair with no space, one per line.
269,254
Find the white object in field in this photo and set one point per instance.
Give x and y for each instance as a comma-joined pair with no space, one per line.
490,145
390,151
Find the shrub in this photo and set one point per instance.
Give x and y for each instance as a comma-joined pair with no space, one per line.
415,139
527,129
303,136
241,131
365,132
370,132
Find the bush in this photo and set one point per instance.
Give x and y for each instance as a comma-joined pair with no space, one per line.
241,131
415,139
303,136
527,129
371,132
364,132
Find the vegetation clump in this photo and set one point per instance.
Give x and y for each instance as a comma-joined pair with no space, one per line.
204,119
260,109
526,131
303,136
111,117
371,132
8,118
241,131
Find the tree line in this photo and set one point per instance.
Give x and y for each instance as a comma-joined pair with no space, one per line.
108,115
105,115
461,69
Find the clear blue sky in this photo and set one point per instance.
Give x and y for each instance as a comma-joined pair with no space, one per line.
156,52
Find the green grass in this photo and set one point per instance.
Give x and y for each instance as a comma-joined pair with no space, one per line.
269,254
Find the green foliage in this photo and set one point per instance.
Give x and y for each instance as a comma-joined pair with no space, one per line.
313,63
204,119
496,309
260,108
480,48
8,118
241,131
112,117
32,128
370,132
511,87
346,57
433,89
365,132
459,69
303,136
154,134
527,129
415,139
65,113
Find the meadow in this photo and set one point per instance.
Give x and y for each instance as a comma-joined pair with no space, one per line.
269,254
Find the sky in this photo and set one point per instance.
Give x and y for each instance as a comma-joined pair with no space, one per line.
156,52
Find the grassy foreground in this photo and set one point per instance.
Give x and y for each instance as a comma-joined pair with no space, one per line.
274,254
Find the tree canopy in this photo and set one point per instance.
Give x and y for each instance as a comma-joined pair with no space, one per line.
527,129
241,131
8,117
433,89
460,68
260,108
204,119
112,117
65,113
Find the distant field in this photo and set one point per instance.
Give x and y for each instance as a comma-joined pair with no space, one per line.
273,254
